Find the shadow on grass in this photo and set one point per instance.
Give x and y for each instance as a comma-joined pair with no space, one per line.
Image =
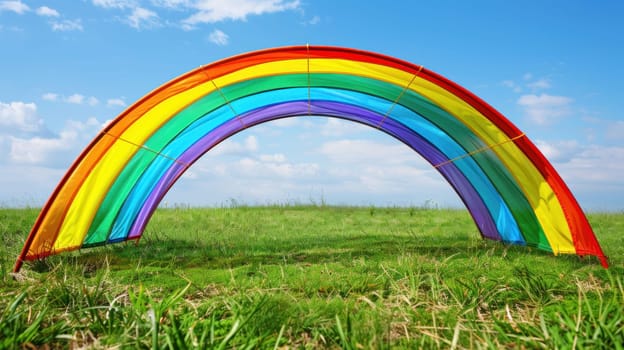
183,254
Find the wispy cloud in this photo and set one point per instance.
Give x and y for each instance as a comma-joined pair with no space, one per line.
115,102
585,163
545,109
559,151
229,147
142,18
14,6
379,167
218,37
313,21
276,165
363,151
339,128
172,4
512,85
213,11
115,4
92,101
197,12
539,84
47,12
75,99
138,17
529,82
79,99
593,172
615,131
66,25
50,96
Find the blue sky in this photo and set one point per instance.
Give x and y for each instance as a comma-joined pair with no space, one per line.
552,67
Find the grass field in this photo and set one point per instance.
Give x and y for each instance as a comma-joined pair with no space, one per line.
310,277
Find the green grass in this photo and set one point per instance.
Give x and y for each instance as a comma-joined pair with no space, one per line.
310,277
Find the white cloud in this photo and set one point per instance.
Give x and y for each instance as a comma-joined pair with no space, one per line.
314,20
19,116
381,169
79,99
12,29
240,160
615,131
229,147
273,158
14,6
26,185
25,141
53,151
115,4
37,150
595,164
545,109
201,11
512,85
360,172
50,96
213,11
529,82
172,4
218,37
115,102
559,151
539,84
350,151
338,127
251,143
75,99
143,18
285,122
66,25
47,12
92,101
379,179
594,174
269,167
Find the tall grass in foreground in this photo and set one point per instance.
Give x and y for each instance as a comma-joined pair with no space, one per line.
310,277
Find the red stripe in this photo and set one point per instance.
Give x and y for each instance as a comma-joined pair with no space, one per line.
582,234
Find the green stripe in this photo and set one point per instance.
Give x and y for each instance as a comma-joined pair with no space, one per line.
488,161
119,191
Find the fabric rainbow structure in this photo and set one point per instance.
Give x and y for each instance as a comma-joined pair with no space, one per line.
110,192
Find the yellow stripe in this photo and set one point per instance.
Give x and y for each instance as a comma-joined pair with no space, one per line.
98,182
537,190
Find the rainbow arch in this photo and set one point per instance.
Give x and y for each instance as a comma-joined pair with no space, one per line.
512,192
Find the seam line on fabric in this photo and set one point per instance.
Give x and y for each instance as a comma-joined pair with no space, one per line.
229,104
308,68
479,150
396,101
146,148
224,98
